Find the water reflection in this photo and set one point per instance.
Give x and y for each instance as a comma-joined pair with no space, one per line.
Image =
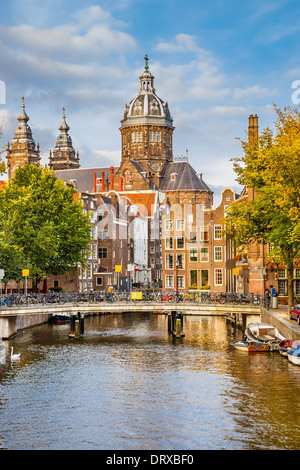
128,384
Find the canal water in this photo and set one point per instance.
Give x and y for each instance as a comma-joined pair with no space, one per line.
127,384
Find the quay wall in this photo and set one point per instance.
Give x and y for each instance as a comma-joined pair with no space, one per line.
287,329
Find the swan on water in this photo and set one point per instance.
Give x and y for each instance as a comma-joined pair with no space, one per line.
14,357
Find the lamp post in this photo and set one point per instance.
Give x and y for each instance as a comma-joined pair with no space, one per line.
176,270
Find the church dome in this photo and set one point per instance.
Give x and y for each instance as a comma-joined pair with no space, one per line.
147,107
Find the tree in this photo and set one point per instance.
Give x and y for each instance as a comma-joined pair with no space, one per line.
44,221
271,170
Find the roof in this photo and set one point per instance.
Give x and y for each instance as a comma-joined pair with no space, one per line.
185,178
84,177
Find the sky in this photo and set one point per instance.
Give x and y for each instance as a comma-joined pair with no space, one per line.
215,63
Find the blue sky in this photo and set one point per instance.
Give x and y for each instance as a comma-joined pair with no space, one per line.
215,63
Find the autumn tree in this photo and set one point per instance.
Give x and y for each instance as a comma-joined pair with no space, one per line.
44,222
271,172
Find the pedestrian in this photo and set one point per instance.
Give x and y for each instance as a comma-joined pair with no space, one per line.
273,291
267,298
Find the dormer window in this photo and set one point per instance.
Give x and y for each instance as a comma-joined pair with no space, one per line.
173,176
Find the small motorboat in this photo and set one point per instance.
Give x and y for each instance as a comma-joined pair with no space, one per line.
294,355
250,346
263,333
60,318
286,345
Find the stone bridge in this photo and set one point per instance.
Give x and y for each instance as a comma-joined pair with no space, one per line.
17,318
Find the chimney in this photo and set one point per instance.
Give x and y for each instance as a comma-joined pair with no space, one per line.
120,183
102,181
253,130
111,178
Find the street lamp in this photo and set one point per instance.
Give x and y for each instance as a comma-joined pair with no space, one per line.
176,267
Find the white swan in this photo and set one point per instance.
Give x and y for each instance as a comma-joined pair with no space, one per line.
14,357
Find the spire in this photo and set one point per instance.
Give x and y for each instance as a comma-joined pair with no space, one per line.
23,118
63,155
23,149
64,128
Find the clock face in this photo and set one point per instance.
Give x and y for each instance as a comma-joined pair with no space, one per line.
154,167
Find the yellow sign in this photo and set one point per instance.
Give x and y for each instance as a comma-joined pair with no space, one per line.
118,268
235,271
136,295
25,272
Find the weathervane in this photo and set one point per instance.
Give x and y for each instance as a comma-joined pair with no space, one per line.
146,65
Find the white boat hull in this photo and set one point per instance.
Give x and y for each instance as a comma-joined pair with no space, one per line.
294,359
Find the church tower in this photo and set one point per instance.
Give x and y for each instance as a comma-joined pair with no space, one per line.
64,156
147,129
22,149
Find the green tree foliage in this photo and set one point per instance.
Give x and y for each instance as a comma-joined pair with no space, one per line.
42,221
271,172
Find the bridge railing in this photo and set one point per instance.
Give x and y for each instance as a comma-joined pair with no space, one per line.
17,300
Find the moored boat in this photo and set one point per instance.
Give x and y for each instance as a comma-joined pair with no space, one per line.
263,333
250,346
287,345
294,355
60,317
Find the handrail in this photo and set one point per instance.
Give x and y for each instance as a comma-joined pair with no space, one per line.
151,296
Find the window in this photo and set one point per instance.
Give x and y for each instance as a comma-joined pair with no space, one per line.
203,235
136,137
102,235
204,277
281,273
218,232
193,237
169,243
218,253
152,262
102,253
180,282
90,271
180,259
169,261
193,254
203,254
180,225
169,281
169,225
99,281
152,249
218,277
180,243
154,136
193,278
281,286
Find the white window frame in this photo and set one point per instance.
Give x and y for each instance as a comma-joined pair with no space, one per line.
218,276
218,228
169,281
218,253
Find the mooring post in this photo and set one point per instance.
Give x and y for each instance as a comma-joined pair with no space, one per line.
169,322
81,324
178,328
77,329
